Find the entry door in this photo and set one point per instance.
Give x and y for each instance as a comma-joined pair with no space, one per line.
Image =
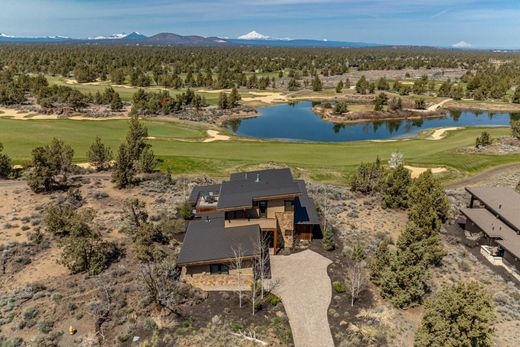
262,206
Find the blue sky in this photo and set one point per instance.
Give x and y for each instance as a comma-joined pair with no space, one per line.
482,23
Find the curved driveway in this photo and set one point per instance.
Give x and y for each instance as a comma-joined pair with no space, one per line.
303,284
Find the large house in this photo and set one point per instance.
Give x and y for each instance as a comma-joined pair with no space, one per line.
495,212
239,215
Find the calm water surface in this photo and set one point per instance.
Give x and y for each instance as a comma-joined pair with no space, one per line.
297,122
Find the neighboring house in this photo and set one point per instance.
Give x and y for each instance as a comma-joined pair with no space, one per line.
250,209
495,212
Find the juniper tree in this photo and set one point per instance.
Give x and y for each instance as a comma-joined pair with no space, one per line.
5,163
317,86
515,128
339,87
428,190
99,155
395,188
460,315
124,168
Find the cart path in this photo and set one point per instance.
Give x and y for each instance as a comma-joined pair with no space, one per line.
483,175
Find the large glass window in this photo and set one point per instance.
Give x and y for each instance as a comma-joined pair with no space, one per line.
218,269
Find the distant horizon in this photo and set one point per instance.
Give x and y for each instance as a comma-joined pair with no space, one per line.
478,24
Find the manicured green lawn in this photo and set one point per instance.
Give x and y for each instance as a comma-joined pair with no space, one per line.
180,147
128,92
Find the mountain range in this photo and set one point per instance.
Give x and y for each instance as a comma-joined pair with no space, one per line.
169,39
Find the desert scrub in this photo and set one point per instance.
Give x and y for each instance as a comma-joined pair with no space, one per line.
273,299
45,326
338,287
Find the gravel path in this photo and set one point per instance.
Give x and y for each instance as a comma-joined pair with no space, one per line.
305,289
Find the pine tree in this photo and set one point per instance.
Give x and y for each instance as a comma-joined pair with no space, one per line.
380,262
460,315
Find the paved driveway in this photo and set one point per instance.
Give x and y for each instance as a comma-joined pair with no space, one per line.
305,289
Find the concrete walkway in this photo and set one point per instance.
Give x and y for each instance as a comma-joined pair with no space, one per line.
303,284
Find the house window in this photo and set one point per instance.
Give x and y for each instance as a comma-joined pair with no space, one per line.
288,205
218,269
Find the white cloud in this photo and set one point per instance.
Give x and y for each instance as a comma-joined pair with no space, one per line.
462,44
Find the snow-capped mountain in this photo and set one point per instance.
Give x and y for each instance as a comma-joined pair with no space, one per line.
6,36
132,36
253,35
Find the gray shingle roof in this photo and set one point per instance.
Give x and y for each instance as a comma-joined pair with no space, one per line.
207,241
242,188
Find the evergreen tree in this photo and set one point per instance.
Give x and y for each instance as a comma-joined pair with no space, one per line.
49,162
5,163
403,283
421,246
223,101
460,315
316,84
328,242
515,128
395,188
124,168
362,85
516,96
116,104
341,107
339,87
99,155
135,139
368,177
426,189
234,98
380,262
147,161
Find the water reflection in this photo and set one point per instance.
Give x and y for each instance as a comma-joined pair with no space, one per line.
297,121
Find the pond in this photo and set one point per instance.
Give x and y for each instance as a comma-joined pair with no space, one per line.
297,122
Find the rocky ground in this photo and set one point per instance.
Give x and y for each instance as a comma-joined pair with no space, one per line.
40,299
372,321
501,145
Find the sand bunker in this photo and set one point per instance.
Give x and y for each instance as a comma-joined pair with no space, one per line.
417,171
266,97
441,133
215,136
